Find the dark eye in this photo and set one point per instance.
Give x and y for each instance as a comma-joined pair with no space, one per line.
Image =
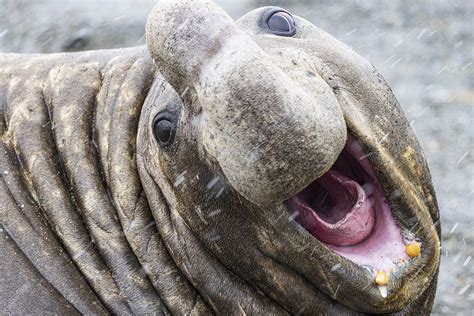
164,128
282,23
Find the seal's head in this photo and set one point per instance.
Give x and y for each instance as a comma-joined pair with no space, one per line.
288,157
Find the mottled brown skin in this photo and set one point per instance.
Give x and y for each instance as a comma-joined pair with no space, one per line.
101,218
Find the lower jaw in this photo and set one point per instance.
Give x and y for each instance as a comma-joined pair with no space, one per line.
383,249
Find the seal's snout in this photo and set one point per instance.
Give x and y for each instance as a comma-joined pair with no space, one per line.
182,36
270,131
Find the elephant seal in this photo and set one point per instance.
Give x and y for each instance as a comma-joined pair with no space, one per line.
249,167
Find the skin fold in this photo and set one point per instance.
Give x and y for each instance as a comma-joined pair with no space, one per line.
104,217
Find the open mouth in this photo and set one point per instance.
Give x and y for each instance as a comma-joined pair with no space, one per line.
346,210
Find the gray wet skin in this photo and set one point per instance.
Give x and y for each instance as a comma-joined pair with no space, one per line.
107,212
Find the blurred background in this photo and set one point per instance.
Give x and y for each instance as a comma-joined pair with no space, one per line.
423,48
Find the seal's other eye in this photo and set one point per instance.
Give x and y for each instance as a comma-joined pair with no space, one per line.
164,127
282,23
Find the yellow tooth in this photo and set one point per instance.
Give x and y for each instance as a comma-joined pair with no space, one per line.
381,278
413,250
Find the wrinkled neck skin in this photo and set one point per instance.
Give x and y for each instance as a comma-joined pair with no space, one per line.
204,223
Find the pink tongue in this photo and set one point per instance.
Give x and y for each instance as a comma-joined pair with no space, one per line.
350,217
